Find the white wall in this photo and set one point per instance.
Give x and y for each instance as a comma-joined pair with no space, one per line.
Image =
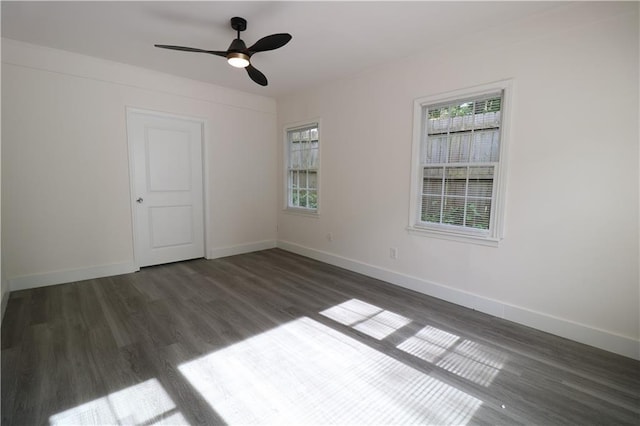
569,261
65,177
4,284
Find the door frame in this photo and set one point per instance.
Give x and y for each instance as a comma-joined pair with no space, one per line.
205,125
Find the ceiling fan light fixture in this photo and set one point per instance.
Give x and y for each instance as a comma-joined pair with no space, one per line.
238,59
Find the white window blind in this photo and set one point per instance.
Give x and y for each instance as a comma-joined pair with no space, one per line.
303,167
458,149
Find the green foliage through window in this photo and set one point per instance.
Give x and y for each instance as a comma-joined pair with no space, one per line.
465,108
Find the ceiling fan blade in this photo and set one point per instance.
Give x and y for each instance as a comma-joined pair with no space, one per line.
271,42
191,49
256,75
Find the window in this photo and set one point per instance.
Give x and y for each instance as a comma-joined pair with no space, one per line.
303,168
458,162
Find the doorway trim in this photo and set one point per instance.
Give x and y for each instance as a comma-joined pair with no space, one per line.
206,127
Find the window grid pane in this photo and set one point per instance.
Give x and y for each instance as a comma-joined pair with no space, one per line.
431,209
303,168
477,213
453,211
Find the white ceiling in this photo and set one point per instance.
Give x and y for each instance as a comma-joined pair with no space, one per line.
331,40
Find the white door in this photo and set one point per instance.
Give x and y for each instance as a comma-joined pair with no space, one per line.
167,187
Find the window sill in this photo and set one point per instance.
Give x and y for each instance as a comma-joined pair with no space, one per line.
301,212
454,236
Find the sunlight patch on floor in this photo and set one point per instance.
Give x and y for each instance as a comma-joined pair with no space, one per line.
306,372
145,403
463,357
366,318
429,343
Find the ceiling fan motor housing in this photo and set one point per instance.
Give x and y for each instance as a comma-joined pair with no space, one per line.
237,45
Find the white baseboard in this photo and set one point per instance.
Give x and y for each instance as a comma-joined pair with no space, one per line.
5,300
561,327
60,277
215,253
71,275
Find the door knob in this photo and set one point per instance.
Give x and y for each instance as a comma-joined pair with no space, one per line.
139,200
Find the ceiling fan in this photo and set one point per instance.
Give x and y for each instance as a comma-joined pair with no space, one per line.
238,54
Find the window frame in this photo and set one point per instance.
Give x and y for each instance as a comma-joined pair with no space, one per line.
286,130
495,234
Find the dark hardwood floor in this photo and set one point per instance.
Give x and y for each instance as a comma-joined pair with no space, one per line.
272,337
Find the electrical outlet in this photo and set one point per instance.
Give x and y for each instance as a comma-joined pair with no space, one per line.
329,236
393,252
